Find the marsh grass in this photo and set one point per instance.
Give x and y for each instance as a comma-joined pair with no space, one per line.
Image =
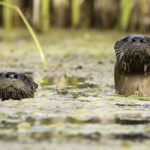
34,37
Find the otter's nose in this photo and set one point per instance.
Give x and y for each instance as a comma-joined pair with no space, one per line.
11,75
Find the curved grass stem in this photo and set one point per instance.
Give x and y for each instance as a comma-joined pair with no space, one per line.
30,30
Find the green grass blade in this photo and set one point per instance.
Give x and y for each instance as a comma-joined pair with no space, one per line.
39,48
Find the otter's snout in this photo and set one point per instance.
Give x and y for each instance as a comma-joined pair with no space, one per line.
11,75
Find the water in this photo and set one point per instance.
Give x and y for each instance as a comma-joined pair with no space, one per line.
75,105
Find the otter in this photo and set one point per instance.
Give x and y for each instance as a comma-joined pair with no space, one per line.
16,86
132,67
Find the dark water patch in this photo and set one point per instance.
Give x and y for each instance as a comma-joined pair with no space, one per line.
126,105
8,137
79,67
133,121
133,105
65,135
31,120
47,121
100,62
8,124
132,137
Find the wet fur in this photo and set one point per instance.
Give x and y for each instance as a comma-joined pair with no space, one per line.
132,68
17,89
133,57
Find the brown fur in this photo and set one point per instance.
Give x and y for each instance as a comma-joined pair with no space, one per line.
132,68
16,86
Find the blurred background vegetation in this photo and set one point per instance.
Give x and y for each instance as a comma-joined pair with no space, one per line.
124,15
75,103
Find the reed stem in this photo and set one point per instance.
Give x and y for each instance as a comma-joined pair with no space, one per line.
7,16
75,12
30,30
45,15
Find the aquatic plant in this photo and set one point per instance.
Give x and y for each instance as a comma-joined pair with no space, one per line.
126,8
36,41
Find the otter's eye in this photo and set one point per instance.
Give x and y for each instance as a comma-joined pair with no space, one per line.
117,45
7,75
147,40
16,76
125,39
133,40
1,74
142,41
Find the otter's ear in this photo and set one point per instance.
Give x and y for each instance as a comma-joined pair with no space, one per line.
34,85
119,43
29,74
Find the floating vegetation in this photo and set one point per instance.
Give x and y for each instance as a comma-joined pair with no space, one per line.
140,97
73,105
64,82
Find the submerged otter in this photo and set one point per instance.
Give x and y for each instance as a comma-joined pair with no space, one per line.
16,86
132,68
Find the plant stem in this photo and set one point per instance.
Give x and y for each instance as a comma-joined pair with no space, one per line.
45,14
126,8
75,12
7,16
30,30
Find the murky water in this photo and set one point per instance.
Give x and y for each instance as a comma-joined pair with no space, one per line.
75,105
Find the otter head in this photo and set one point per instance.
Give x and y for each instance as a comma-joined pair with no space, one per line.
133,54
16,86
